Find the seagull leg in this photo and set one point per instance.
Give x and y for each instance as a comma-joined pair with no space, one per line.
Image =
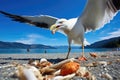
69,48
83,50
82,58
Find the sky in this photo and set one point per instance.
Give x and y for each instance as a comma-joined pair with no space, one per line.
11,31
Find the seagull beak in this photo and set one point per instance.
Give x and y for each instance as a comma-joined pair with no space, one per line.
53,28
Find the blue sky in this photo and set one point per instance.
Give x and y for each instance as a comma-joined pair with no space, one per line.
11,31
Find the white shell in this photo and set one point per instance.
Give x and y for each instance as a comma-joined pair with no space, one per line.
29,74
43,60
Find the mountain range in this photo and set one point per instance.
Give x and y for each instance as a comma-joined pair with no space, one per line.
108,43
23,46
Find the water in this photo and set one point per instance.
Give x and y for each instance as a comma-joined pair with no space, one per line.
39,51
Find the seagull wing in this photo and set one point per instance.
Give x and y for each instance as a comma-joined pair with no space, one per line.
43,21
99,12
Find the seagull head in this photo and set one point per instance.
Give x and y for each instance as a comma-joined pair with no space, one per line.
58,25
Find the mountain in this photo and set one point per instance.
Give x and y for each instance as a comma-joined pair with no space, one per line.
41,46
65,47
108,43
23,46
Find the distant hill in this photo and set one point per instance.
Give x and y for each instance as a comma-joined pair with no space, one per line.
23,46
109,43
65,47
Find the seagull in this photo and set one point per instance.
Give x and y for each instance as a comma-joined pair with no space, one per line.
96,14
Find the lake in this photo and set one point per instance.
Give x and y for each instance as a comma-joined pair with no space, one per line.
31,51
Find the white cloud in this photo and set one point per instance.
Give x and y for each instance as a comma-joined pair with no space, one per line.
112,34
32,39
36,36
86,42
26,41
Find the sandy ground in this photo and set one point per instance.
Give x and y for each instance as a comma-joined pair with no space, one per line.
112,69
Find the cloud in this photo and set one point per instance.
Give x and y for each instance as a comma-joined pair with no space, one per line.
26,41
111,35
36,38
86,42
32,39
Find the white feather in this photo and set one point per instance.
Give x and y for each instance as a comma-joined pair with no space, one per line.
96,14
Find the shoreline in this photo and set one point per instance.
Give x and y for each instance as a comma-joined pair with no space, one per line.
51,55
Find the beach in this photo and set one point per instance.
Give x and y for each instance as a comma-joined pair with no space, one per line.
112,68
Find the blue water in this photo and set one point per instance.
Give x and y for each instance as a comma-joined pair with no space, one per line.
23,51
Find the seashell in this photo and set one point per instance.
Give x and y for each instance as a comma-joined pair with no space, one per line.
81,71
28,73
30,61
82,58
67,77
47,70
20,74
56,72
93,77
94,55
58,78
107,76
15,63
104,63
117,60
43,60
69,68
55,67
48,77
84,73
93,64
44,64
110,62
33,62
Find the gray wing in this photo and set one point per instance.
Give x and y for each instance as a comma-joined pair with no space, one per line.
43,21
99,12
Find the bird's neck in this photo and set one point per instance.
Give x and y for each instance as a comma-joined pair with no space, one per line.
66,31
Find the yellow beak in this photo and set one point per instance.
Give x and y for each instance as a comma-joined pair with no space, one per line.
53,29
